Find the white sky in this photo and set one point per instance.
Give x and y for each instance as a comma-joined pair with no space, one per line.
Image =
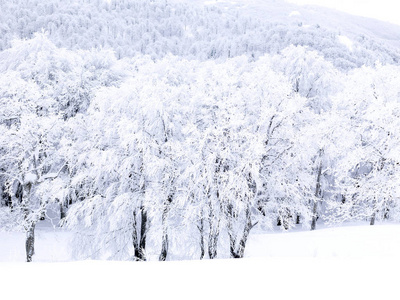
386,10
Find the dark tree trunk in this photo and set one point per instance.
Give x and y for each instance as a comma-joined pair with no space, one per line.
231,234
139,238
297,219
30,242
201,229
19,193
42,213
6,199
213,233
386,215
237,249
372,221
373,216
317,193
135,238
164,244
246,232
63,213
139,230
143,233
232,244
286,224
213,241
213,218
164,248
314,217
30,221
284,218
9,201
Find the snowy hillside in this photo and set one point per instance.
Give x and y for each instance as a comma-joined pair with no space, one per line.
190,130
310,15
200,29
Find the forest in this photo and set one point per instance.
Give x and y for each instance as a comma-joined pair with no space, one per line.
169,130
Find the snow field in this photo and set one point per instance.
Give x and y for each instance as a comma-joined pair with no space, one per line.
350,262
351,241
50,246
260,278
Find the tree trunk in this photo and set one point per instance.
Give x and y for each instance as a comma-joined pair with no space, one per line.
139,237
30,242
63,213
164,244
213,233
284,218
246,232
373,216
213,241
143,233
201,229
314,217
164,247
43,212
386,214
231,234
19,192
8,200
237,250
213,218
135,239
317,193
5,198
30,221
139,240
372,221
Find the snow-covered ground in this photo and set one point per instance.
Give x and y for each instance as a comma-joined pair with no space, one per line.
350,241
261,278
349,262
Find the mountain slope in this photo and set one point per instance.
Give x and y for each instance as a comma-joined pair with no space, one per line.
281,11
284,12
201,29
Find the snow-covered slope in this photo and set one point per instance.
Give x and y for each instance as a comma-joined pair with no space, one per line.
316,265
281,11
202,29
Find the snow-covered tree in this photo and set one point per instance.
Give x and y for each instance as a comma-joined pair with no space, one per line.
370,168
28,143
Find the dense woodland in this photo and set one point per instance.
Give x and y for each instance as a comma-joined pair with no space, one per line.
169,130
